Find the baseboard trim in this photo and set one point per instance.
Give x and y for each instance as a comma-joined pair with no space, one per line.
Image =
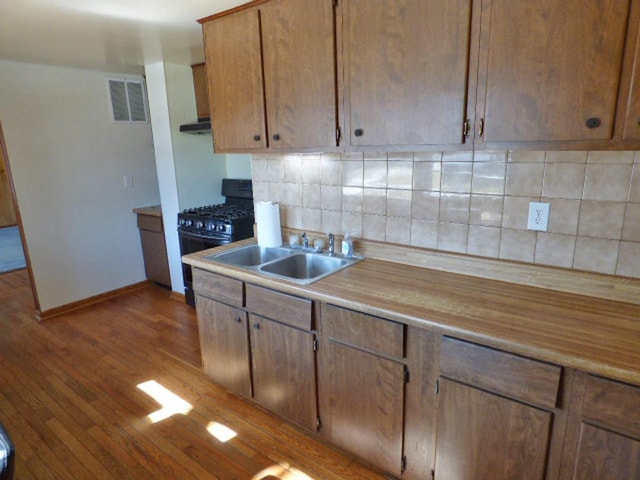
69,307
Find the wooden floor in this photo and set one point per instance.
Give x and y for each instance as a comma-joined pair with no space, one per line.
70,400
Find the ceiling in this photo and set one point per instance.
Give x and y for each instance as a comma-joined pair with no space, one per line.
119,36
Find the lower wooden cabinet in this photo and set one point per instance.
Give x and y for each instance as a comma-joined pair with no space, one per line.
224,345
283,361
361,389
603,439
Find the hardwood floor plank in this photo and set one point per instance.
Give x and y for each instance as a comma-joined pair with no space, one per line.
70,400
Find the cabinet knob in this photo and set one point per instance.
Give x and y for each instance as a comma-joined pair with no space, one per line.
593,122
276,136
358,132
256,138
256,326
238,319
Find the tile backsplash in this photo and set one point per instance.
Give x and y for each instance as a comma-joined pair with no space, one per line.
475,203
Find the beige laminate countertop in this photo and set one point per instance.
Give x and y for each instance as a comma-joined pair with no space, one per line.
154,211
590,334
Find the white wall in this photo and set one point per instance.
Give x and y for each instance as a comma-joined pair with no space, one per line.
238,165
68,161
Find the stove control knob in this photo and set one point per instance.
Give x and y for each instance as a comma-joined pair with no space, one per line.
221,228
199,224
188,223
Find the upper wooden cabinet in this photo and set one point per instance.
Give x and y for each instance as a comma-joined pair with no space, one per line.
406,70
550,70
272,75
234,71
201,90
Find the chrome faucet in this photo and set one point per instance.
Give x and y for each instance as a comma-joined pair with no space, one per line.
332,244
305,240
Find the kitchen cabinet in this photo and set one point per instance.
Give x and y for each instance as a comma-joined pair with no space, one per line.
495,414
550,70
603,439
361,385
406,68
293,44
201,90
283,354
154,249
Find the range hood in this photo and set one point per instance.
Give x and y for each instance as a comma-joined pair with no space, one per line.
201,127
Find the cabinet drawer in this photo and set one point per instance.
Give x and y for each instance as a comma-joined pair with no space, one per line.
365,331
225,289
613,403
500,372
294,311
150,222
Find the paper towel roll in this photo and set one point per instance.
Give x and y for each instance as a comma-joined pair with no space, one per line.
268,220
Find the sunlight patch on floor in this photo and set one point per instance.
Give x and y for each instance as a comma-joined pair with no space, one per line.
281,472
171,403
221,432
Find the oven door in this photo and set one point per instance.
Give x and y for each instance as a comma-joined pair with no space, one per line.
190,243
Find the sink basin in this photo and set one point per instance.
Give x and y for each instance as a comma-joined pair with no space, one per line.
249,256
306,267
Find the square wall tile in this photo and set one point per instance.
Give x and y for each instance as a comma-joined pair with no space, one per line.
427,176
563,215
275,170
620,157
607,182
466,156
293,217
563,180
489,178
489,156
519,245
311,169
486,210
566,157
601,220
399,230
331,197
631,227
292,194
352,198
260,191
351,224
629,260
425,205
312,219
374,201
374,227
523,156
524,179
555,249
352,173
427,156
596,255
311,196
454,208
292,168
331,169
484,241
424,233
375,173
399,203
634,195
400,175
516,212
331,221
452,237
259,168
276,192
456,177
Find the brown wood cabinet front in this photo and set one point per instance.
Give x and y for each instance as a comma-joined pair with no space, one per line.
234,71
154,249
300,73
362,393
406,70
283,361
201,89
550,69
603,439
224,345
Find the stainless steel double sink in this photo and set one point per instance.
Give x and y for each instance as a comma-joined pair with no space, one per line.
287,263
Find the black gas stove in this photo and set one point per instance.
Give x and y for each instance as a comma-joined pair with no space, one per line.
214,225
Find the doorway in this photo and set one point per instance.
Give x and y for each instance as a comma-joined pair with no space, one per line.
12,238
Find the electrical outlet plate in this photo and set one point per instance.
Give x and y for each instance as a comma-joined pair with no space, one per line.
538,216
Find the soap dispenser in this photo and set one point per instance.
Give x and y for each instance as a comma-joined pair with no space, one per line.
347,246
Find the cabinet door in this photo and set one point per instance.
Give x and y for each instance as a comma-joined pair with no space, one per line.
365,405
299,67
234,72
485,436
551,69
406,64
224,344
284,370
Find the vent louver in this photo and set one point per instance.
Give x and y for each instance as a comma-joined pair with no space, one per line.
128,103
